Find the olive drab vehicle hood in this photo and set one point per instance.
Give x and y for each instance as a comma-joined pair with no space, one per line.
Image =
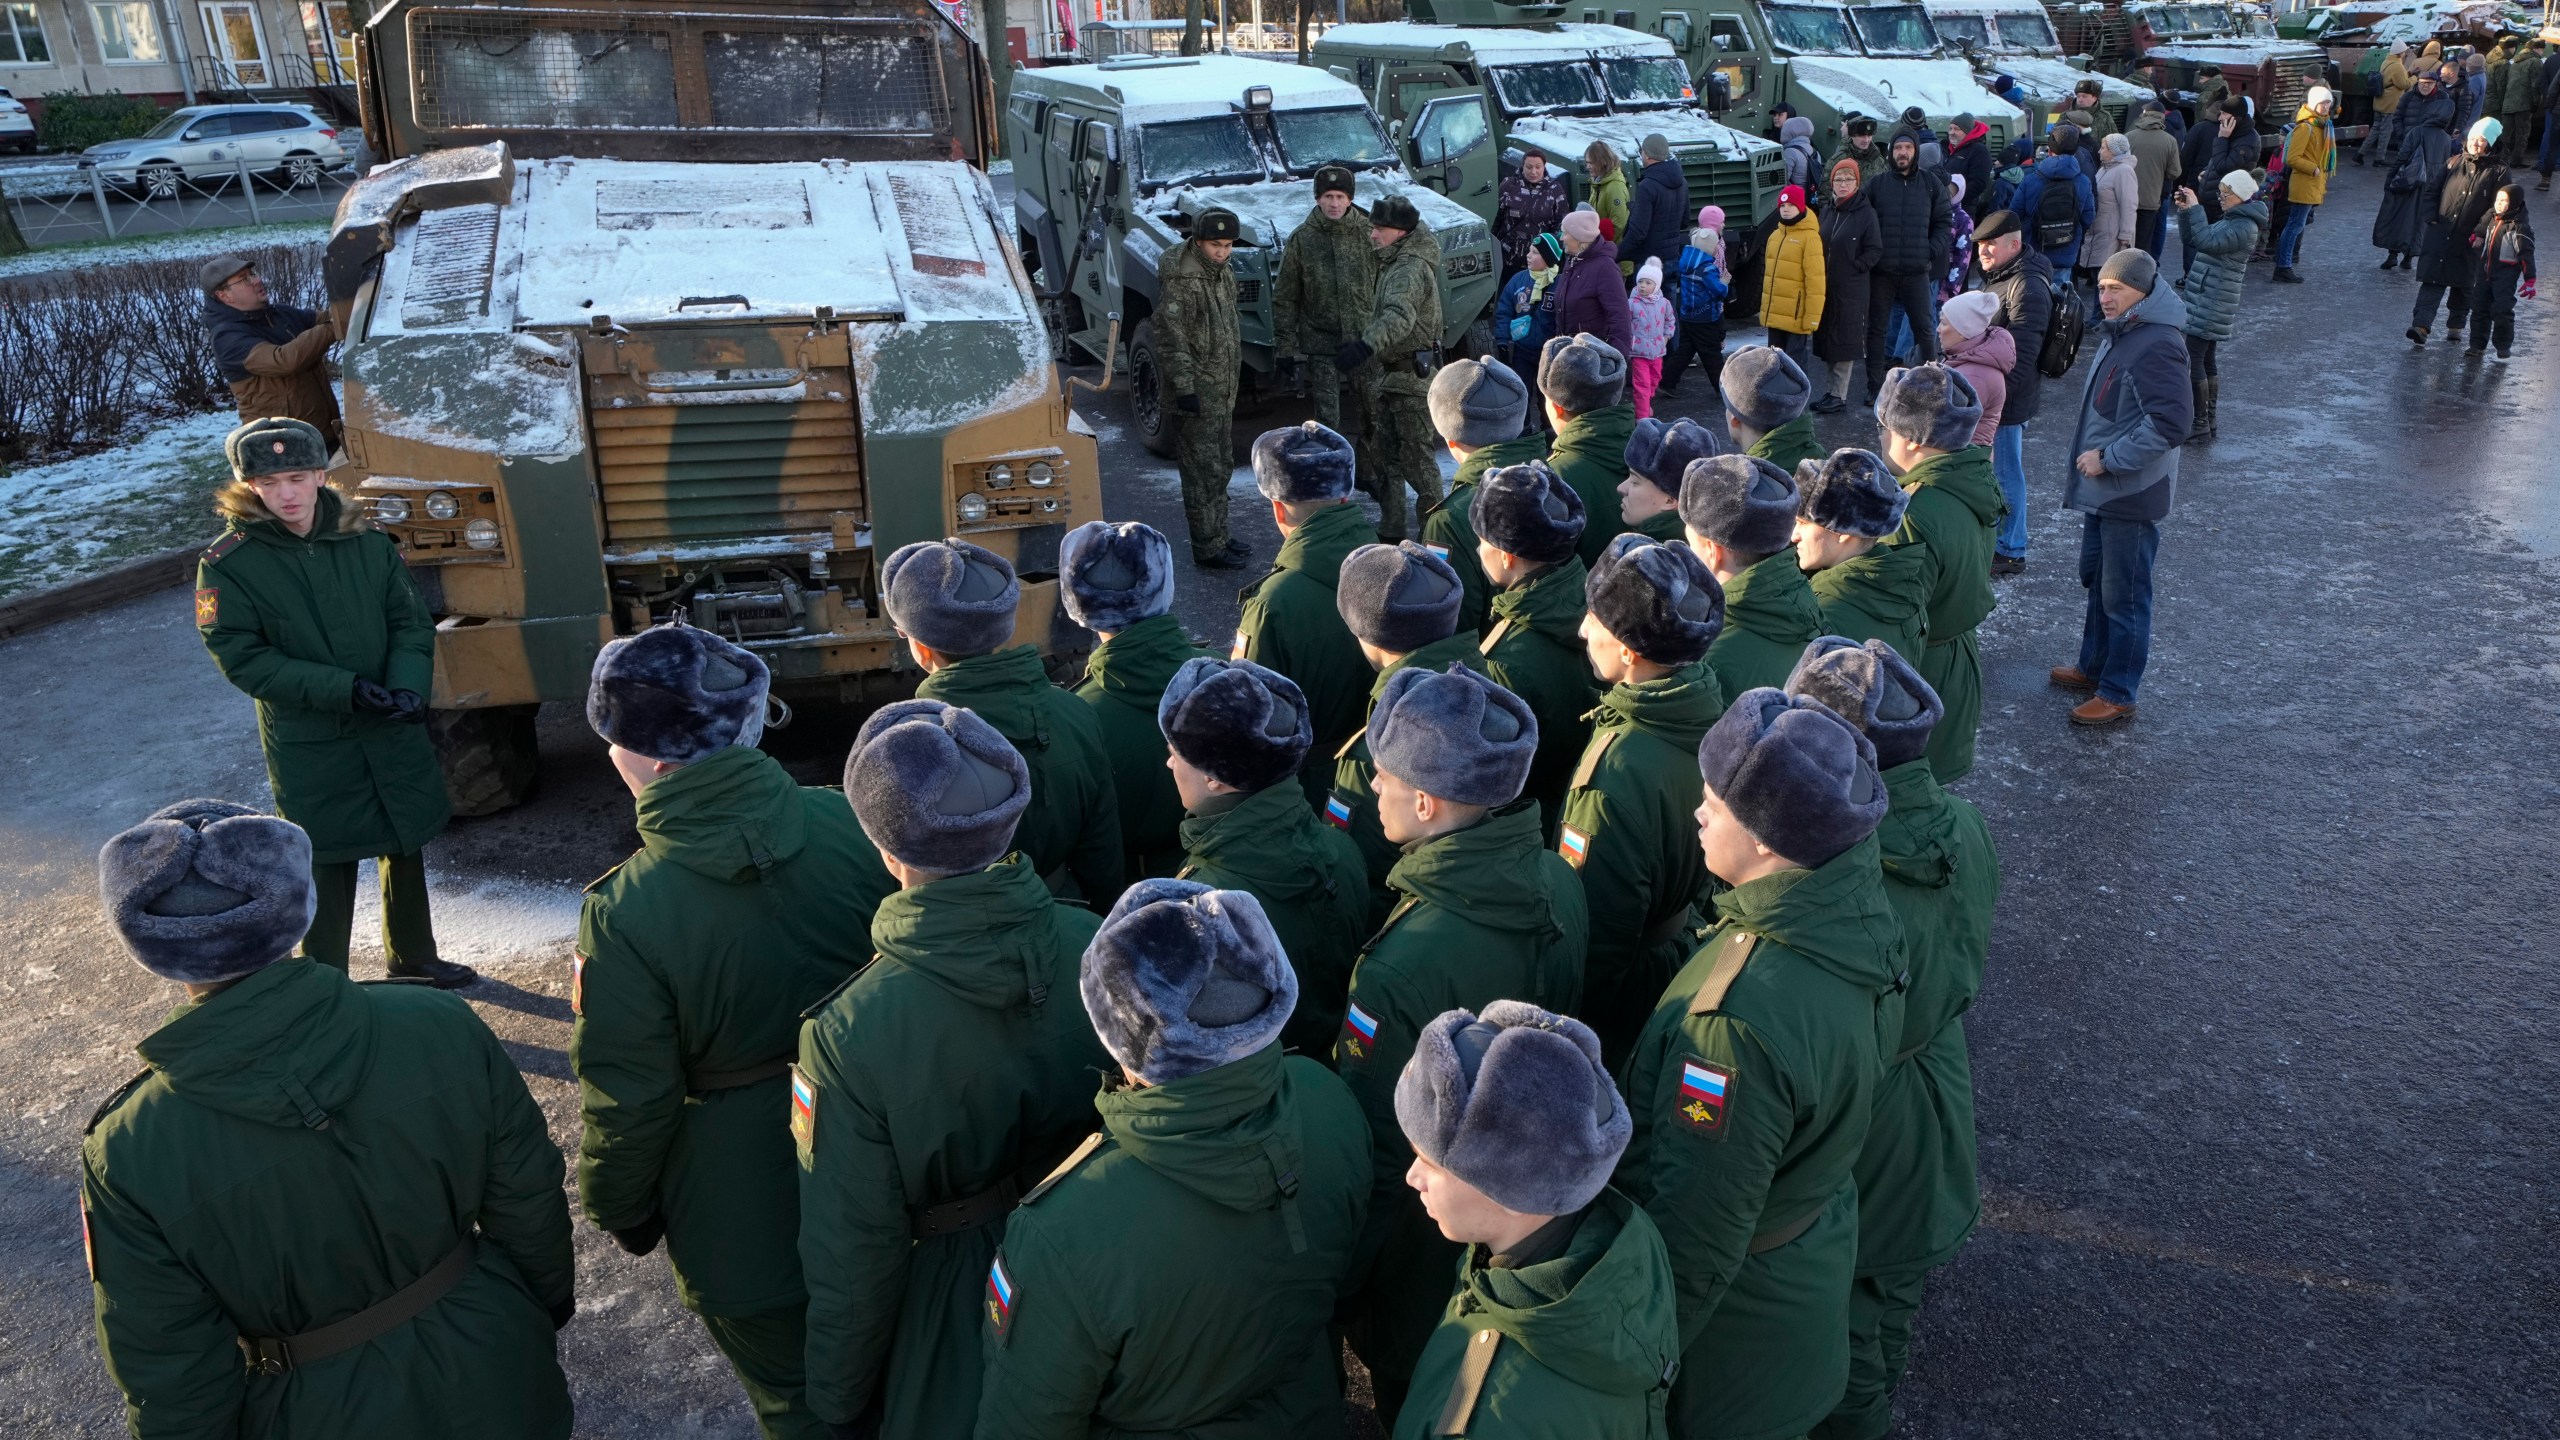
1884,87
1271,212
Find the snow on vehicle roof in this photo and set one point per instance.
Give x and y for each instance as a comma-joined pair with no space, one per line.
1983,7
1512,45
1882,89
2045,78
1180,88
2244,53
1625,133
1271,210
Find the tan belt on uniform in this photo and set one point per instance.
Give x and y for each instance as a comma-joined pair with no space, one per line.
274,1355
1459,1410
699,1082
953,1216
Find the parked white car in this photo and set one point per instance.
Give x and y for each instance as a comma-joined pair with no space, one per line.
17,127
285,144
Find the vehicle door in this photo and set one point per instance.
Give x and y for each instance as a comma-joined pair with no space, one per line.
1087,153
1730,53
208,148
262,136
1450,148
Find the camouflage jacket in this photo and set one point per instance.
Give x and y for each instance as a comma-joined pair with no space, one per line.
1328,278
1406,317
1196,327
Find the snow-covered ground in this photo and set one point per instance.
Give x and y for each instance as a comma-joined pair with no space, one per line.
185,245
73,518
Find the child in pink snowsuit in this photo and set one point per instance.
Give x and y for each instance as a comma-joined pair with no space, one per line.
1650,325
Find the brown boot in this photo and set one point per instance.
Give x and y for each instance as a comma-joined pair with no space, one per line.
2098,710
2068,677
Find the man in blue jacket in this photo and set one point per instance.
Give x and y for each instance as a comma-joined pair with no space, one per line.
2055,233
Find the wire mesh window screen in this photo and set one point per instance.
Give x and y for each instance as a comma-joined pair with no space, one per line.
875,83
491,70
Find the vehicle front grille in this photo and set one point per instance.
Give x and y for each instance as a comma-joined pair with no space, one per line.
688,467
2294,77
1736,184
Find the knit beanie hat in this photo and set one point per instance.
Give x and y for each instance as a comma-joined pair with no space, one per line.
951,596
1581,373
1182,978
1235,722
1971,313
1581,226
2241,186
1932,404
1302,464
1741,502
1398,597
1659,599
1764,387
1548,245
677,694
1851,493
1872,687
1799,778
205,891
1660,453
1453,734
936,787
1711,217
2117,144
1528,511
1651,270
2135,268
265,447
2487,128
1478,402
1115,575
1516,1104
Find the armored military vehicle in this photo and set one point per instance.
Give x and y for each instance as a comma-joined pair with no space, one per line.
2170,43
697,309
2016,38
1113,161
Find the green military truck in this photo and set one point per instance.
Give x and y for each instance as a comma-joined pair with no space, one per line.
1113,161
2016,38
695,309
2167,45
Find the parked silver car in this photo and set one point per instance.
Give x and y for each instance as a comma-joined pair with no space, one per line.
17,128
287,145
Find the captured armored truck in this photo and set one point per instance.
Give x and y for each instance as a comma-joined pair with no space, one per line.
697,309
2016,38
2171,43
1113,161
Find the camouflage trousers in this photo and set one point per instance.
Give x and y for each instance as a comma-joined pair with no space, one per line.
1204,450
1343,403
1406,454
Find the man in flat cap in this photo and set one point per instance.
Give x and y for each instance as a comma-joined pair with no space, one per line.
1196,347
282,1238
954,604
1116,580
1739,513
1479,407
1401,603
1322,299
1239,1177
311,612
945,1080
1291,622
274,357
1399,345
1847,507
1531,524
749,901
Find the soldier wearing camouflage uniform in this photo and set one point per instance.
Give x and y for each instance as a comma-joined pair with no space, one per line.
1403,338
1196,344
1327,287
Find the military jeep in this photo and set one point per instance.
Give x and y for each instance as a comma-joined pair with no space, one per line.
1113,161
2016,38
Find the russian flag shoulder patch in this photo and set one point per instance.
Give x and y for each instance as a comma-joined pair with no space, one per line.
804,1114
1705,1096
1000,1300
1359,1032
1574,846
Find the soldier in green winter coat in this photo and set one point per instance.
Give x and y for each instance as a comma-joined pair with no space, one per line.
1116,580
1238,1176
1658,456
1917,1196
1739,514
1563,1322
1238,733
1322,299
1532,522
310,611
1584,381
1752,1082
1291,623
1196,345
751,899
954,605
1483,912
1630,824
1478,406
1765,395
939,1084
1847,506
271,1190
1400,347
1401,602
1928,414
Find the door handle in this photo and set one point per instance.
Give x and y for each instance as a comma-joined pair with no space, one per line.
1484,188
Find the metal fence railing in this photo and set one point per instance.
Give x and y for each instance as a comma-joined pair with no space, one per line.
58,207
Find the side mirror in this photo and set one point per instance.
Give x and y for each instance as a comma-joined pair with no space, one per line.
190,135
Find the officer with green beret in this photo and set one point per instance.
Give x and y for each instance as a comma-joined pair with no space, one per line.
1400,347
1238,1175
1237,734
1401,603
1483,912
750,899
1847,508
1322,299
1928,414
1116,580
1531,525
1739,514
938,1085
1478,407
1765,397
954,603
1196,345
283,1240
1658,456
311,612
1917,1194
1584,381
1290,622
1753,1081
1630,825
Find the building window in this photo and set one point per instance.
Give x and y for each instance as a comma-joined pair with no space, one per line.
127,34
22,37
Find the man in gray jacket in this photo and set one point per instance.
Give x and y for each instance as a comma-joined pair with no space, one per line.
2135,412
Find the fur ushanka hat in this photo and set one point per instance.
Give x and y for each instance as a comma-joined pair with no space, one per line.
1113,576
1852,493
951,596
936,787
1453,734
1517,1104
1801,779
1764,388
1182,978
1741,502
1872,687
1236,722
205,891
1582,373
1398,597
677,694
1660,454
1931,405
1528,511
1303,464
1660,600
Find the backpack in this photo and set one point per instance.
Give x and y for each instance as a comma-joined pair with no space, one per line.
2062,336
2057,214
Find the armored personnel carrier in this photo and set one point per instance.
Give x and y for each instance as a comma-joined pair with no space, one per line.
697,309
2016,38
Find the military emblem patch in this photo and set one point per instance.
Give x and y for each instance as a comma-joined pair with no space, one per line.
1235,651
1706,1094
577,983
1000,1300
208,607
1337,812
804,1113
1574,846
1359,1032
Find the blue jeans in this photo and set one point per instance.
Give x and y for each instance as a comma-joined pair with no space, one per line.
2009,462
2115,639
2295,217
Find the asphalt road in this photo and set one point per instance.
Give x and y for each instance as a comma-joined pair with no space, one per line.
2266,1055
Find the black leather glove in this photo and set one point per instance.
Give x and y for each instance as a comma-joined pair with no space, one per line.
369,696
1289,368
410,707
563,1313
1352,356
642,1238
1187,404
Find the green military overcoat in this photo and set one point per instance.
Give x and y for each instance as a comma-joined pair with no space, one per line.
1123,681
1449,527
1534,650
1881,595
1789,445
1590,454
1770,615
1955,508
1312,886
1291,624
1074,820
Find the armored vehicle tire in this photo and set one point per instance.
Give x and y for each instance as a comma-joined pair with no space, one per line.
1479,340
1146,392
489,756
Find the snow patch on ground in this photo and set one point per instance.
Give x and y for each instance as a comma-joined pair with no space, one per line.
72,518
495,921
188,245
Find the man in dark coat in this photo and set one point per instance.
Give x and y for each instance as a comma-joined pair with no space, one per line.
1532,201
1590,297
274,357
2019,276
346,1186
1658,213
1915,212
2464,192
1116,580
312,613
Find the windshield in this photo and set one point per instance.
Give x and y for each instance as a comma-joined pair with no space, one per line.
1646,81
2191,20
1559,85
2023,32
1963,29
1894,29
1209,151
1348,136
1809,29
171,126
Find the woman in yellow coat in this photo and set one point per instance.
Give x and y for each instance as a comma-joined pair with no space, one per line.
1791,286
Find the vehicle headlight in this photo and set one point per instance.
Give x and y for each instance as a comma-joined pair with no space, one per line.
1041,475
441,506
481,534
390,509
973,508
999,477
